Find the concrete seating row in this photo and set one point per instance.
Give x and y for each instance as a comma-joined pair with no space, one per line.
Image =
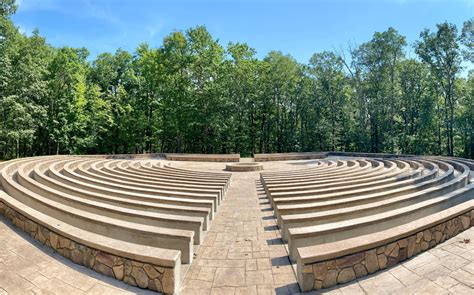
288,156
318,155
339,203
204,157
137,210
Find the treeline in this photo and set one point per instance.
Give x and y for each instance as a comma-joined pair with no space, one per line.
192,95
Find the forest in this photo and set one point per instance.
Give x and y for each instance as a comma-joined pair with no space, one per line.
194,95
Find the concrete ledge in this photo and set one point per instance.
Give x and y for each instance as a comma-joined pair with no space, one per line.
288,156
204,157
320,155
244,167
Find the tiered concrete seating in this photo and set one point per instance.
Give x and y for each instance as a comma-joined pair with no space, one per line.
129,209
331,211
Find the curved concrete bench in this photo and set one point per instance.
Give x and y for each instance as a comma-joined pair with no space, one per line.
368,168
56,206
95,251
105,206
351,210
320,166
113,168
212,195
168,167
84,168
176,199
244,167
171,172
337,167
288,156
378,169
317,165
108,221
204,157
202,213
325,265
78,167
96,168
355,196
329,194
314,235
339,220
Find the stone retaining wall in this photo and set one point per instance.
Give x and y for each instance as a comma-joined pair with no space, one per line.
341,270
135,273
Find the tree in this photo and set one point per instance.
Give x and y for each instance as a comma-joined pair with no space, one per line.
416,121
441,52
465,115
467,39
376,63
331,90
241,76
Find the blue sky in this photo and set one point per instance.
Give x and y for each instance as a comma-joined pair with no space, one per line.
299,27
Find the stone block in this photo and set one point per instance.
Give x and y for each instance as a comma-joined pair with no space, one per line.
118,272
320,271
346,275
371,261
140,277
106,259
168,281
349,260
330,279
151,271
382,260
360,270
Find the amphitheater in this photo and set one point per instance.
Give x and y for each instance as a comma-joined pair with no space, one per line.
183,224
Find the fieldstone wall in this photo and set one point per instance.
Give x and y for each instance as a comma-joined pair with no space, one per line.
341,270
135,273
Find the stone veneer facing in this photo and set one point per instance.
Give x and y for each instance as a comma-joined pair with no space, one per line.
341,270
135,273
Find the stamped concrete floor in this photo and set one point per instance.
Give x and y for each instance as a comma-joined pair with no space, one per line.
241,254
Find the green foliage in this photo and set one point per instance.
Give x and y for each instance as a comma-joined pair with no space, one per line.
467,39
441,51
193,95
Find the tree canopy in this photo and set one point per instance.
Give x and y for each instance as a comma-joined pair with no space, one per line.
194,95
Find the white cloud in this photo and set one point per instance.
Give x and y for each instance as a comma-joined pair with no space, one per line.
25,29
79,8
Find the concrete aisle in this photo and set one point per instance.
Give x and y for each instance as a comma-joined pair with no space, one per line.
243,252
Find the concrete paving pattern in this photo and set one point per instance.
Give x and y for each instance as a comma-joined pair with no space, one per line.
243,252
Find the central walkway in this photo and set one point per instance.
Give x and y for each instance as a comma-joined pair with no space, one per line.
243,252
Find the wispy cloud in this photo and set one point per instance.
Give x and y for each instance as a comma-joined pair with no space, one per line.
79,8
25,29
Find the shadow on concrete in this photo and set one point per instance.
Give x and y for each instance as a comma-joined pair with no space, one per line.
67,263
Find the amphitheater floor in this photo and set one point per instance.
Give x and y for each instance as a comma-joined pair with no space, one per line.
241,254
